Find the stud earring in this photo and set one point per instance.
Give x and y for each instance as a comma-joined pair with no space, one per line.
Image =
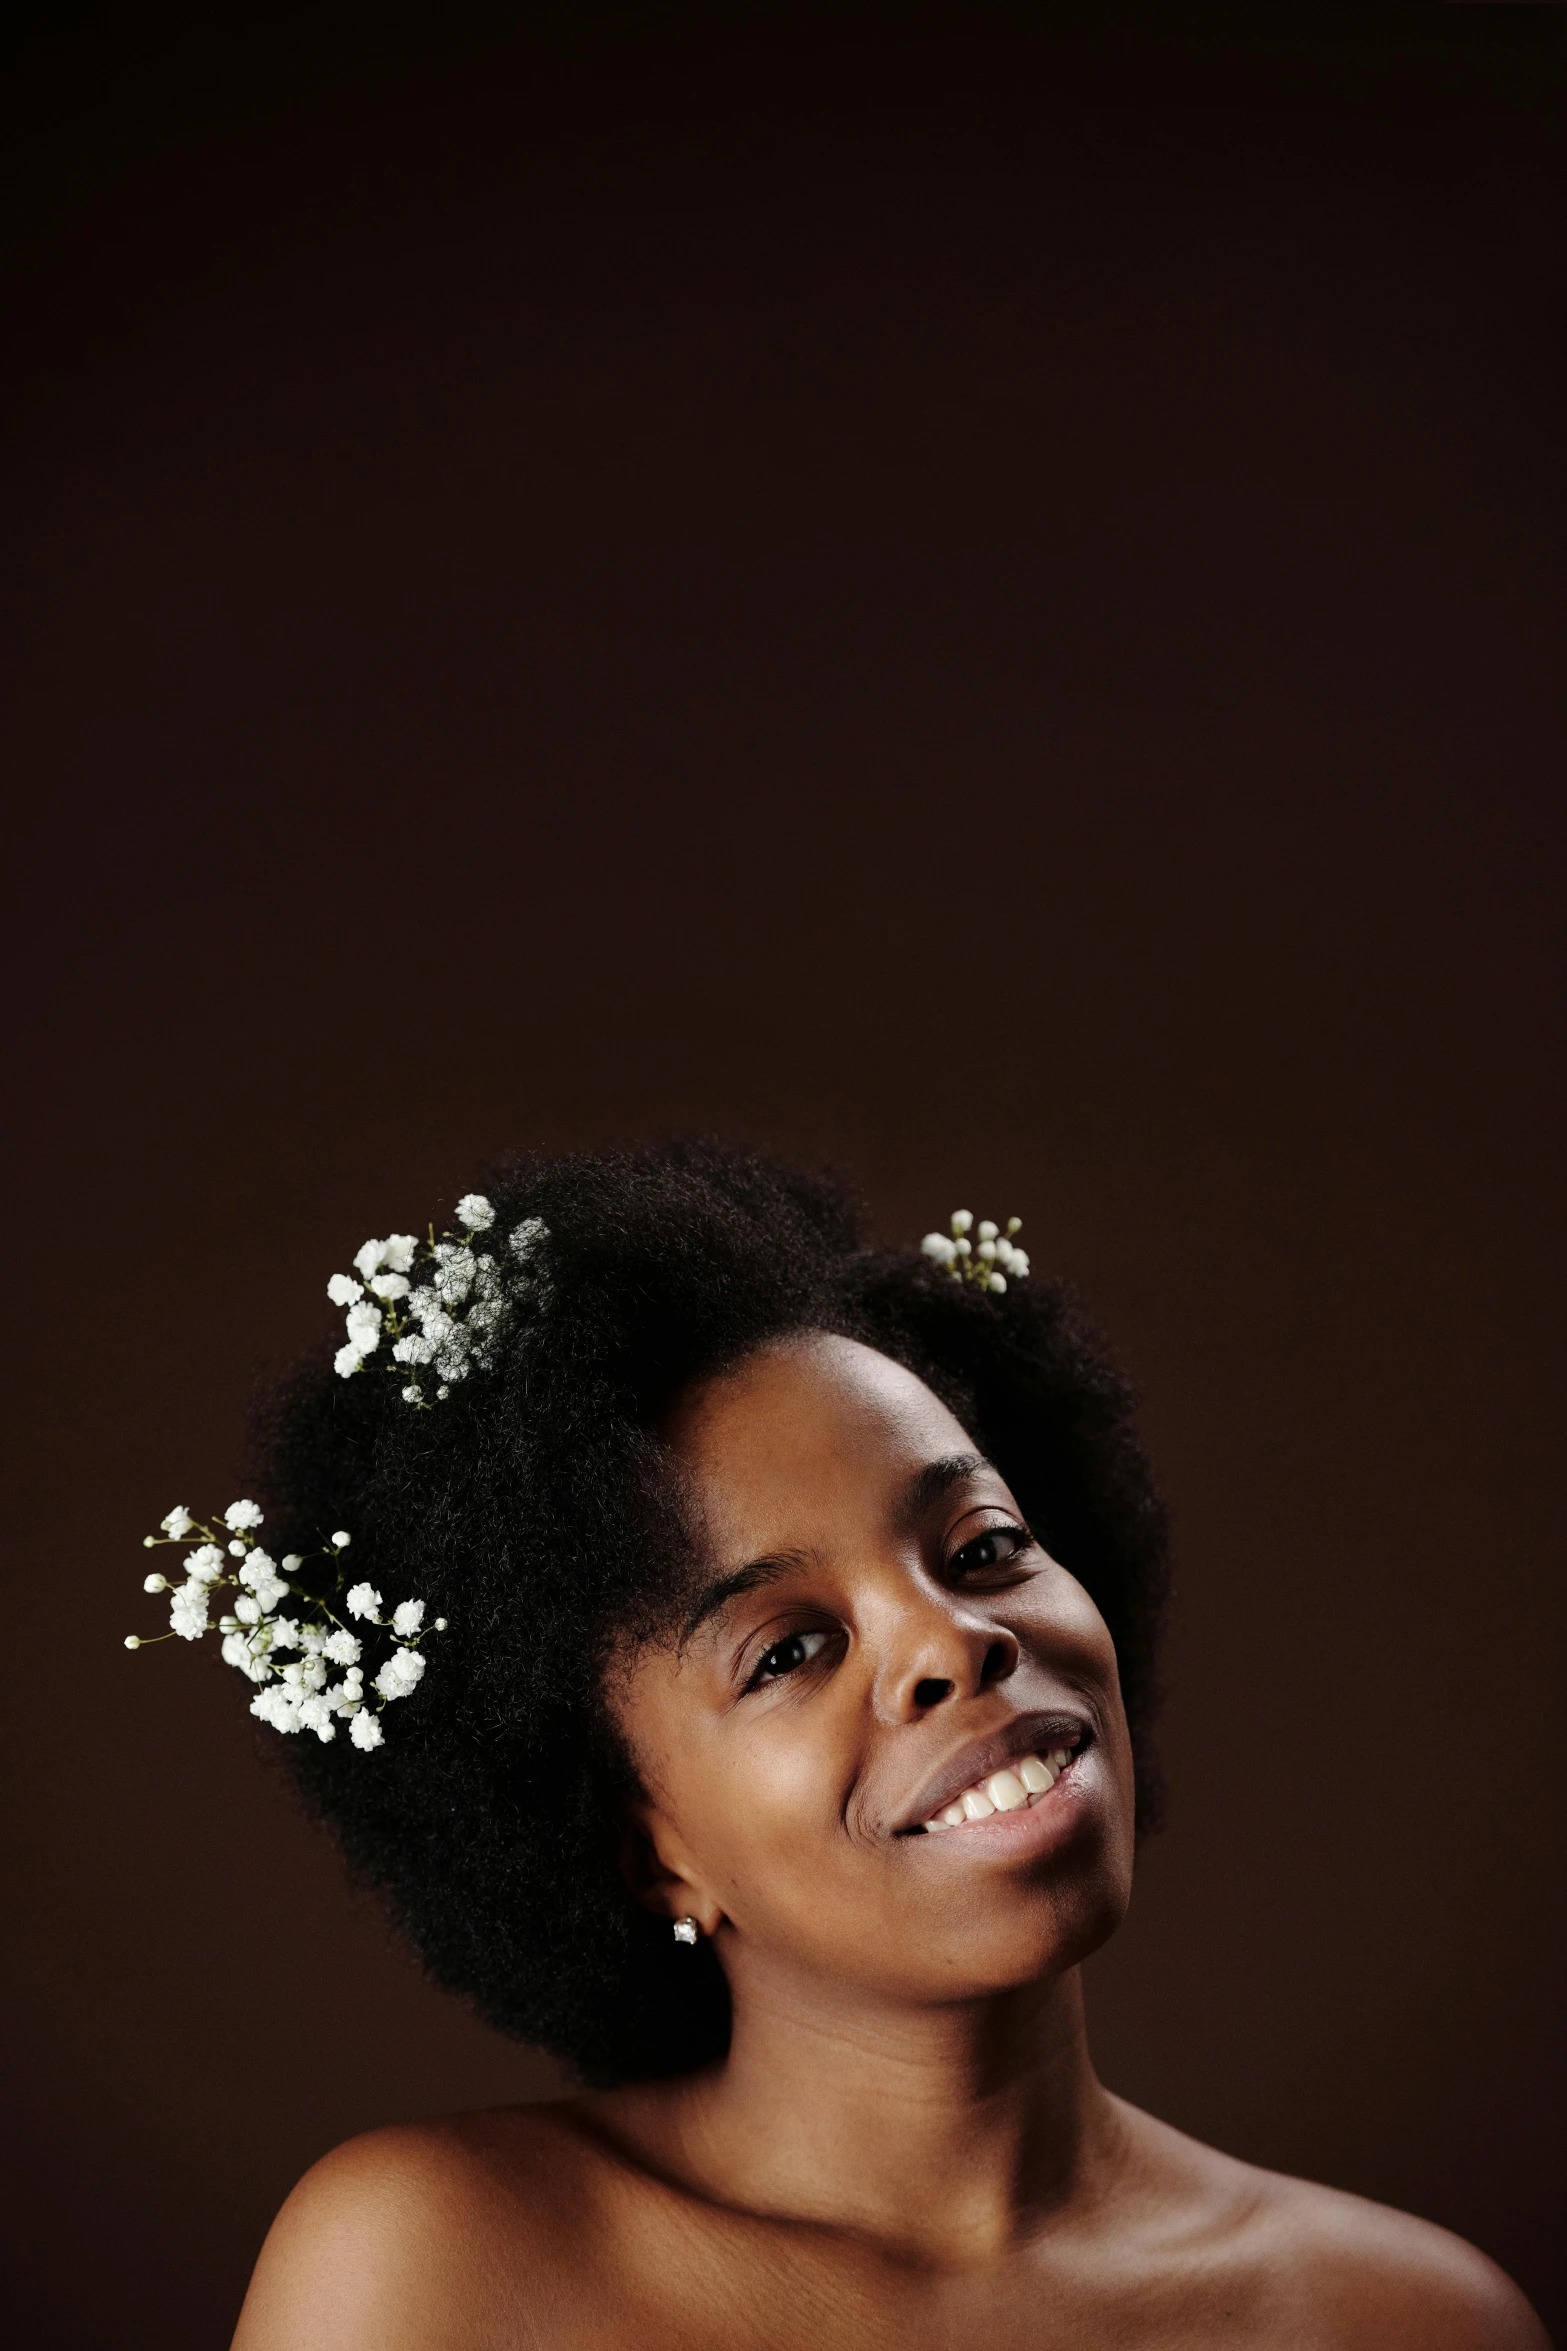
686,1930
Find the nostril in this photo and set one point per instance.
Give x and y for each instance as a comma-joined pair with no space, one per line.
931,1693
998,1662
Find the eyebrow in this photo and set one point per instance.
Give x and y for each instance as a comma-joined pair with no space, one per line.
751,1578
936,1479
925,1487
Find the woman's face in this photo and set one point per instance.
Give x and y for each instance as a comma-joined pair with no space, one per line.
878,1635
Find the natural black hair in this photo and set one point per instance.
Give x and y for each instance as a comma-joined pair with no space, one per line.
536,1510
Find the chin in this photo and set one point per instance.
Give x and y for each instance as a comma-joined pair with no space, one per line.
1067,1924
1018,1932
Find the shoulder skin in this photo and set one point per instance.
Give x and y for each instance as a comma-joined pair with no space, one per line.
433,2234
1317,2267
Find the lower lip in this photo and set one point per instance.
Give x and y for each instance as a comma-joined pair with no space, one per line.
1032,1828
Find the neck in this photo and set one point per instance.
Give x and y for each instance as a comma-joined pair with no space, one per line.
952,2130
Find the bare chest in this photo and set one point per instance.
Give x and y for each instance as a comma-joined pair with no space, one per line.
678,2280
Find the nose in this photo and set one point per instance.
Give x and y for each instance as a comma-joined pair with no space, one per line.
938,1651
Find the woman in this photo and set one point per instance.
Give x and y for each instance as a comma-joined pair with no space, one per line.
778,1760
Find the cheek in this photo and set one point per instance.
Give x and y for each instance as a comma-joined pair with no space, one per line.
1066,1633
764,1801
1069,1636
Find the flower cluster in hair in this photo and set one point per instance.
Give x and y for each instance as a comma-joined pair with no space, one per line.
988,1261
298,1692
445,1325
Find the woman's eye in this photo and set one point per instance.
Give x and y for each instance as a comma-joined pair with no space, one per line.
786,1657
996,1547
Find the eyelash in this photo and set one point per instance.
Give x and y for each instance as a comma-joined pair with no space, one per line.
1020,1535
760,1677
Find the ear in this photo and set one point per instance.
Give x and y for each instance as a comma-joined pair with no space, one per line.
661,1874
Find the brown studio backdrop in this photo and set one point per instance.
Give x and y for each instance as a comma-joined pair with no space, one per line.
978,603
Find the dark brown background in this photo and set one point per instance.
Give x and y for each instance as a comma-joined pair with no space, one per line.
978,599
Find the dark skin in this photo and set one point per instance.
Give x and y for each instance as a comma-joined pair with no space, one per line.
907,2145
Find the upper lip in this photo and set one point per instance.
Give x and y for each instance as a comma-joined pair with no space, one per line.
1025,1734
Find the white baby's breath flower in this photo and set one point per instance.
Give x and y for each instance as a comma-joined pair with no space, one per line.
362,1600
413,1395
475,1212
277,1706
178,1523
398,1251
454,1272
390,1285
401,1673
133,1640
346,1362
342,1289
240,1515
342,1539
261,1574
370,1258
246,1611
188,1611
413,1347
363,1325
237,1550
238,1651
316,1715
407,1617
365,1732
292,1563
988,1260
206,1565
524,1238
342,1648
155,1583
285,1632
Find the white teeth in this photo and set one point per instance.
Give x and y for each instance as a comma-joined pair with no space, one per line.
1005,1791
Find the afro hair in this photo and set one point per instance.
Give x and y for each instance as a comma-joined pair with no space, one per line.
538,1512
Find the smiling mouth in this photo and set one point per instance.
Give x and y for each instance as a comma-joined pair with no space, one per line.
1015,1788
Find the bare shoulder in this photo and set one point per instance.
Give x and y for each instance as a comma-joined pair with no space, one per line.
1382,2276
428,2233
1345,2273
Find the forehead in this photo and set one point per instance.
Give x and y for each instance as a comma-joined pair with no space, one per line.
808,1431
